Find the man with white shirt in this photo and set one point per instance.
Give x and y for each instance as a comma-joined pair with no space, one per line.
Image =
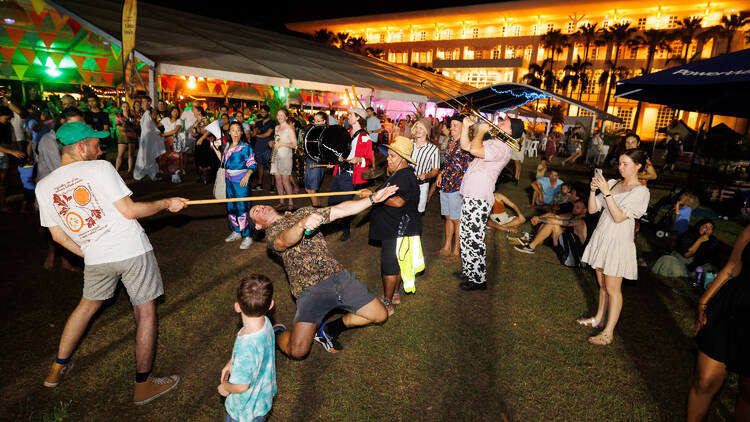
373,124
88,210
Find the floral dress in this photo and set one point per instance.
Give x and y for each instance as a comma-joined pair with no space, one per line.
237,161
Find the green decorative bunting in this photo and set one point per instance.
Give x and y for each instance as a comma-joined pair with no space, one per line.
20,69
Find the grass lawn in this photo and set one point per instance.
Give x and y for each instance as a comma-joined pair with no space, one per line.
513,352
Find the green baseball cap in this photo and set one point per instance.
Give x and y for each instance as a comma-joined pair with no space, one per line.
70,133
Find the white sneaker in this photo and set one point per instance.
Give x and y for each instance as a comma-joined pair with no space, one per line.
232,237
246,242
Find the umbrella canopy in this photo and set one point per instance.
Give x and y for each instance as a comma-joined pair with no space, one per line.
719,85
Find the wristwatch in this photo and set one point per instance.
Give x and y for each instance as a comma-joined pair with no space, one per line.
372,201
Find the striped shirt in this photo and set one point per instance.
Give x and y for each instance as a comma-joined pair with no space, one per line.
427,158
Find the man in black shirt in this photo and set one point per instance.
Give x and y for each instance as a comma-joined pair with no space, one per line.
397,217
95,116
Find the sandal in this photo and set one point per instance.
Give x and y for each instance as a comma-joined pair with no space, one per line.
601,339
589,322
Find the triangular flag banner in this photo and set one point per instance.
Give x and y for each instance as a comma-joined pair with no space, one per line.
15,34
59,20
78,60
86,75
7,53
116,50
108,77
211,86
38,6
57,57
41,57
29,55
224,89
48,38
20,69
102,62
74,26
37,18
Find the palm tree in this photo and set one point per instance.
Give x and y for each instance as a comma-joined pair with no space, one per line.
655,40
688,29
611,73
534,75
355,44
324,36
617,35
729,25
341,39
375,52
587,34
554,41
576,76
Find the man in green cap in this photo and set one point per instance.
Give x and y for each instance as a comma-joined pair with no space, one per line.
88,210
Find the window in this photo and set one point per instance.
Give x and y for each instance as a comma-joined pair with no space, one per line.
439,54
422,36
593,53
584,113
519,52
446,34
571,27
663,118
641,24
508,76
468,53
382,38
501,31
398,37
534,29
527,53
605,24
634,53
475,33
672,22
515,31
626,114
508,52
480,78
496,53
550,27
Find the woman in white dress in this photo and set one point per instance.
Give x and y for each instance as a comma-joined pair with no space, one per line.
172,125
151,145
284,142
611,250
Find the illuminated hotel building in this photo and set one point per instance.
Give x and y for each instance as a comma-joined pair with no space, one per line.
493,43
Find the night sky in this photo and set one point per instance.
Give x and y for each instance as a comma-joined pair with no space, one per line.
272,14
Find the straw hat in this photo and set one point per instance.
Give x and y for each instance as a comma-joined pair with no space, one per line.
402,146
359,112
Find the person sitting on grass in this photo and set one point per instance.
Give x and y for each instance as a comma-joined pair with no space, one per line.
541,168
564,196
551,224
545,189
696,247
248,380
316,279
499,218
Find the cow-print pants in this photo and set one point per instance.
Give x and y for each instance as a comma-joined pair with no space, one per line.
474,215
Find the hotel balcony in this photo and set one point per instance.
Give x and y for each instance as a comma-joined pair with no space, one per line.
442,64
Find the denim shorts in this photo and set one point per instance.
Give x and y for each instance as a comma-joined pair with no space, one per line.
450,205
339,291
313,175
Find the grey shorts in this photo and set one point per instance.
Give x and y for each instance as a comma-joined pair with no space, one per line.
339,291
140,275
450,205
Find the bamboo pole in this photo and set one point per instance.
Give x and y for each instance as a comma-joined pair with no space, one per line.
270,197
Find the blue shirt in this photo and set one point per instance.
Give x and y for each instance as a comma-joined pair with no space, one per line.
682,221
549,192
254,363
261,144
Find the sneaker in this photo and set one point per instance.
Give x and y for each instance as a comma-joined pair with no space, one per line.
56,372
388,304
246,242
516,240
258,188
153,387
329,343
232,237
278,329
459,275
470,285
396,299
525,249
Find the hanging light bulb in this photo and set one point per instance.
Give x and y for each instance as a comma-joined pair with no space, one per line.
191,82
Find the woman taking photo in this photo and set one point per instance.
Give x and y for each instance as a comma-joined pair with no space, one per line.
238,161
611,250
283,144
723,335
127,127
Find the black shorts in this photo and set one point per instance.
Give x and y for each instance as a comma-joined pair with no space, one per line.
388,260
339,291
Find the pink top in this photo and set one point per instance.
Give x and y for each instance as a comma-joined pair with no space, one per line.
481,175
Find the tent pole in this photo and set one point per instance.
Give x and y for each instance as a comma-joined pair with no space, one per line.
694,169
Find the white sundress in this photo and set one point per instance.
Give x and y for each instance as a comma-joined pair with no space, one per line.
612,245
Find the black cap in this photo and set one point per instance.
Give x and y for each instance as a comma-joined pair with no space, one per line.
457,116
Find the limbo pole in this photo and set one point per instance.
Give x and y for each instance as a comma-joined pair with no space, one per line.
270,197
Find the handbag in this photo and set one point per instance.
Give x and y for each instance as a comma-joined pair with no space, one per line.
220,184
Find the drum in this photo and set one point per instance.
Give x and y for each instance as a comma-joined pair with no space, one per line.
325,144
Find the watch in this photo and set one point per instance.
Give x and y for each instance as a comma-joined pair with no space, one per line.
372,201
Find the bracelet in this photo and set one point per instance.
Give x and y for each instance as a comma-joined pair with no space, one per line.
372,201
608,195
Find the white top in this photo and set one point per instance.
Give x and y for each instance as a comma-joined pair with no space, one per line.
169,126
373,123
189,118
18,123
79,197
48,155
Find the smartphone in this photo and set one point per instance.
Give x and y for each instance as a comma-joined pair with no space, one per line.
597,172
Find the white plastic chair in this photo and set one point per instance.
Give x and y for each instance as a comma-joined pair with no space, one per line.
533,148
603,151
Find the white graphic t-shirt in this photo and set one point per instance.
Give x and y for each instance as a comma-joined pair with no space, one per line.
80,197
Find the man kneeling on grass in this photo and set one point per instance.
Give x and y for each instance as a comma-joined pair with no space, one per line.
317,280
551,224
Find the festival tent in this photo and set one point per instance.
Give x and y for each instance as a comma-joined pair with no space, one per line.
173,42
720,85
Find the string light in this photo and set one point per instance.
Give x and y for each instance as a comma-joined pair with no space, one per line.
529,96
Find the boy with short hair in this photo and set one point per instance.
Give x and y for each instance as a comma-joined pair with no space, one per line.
248,380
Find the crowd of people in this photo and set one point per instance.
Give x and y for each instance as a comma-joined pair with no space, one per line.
85,204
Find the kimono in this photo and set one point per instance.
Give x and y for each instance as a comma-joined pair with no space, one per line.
237,161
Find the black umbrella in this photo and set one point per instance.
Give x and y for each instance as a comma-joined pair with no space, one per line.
720,85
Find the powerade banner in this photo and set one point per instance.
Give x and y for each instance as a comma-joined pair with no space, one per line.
129,18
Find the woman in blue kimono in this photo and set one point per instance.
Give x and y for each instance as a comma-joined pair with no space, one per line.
238,161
